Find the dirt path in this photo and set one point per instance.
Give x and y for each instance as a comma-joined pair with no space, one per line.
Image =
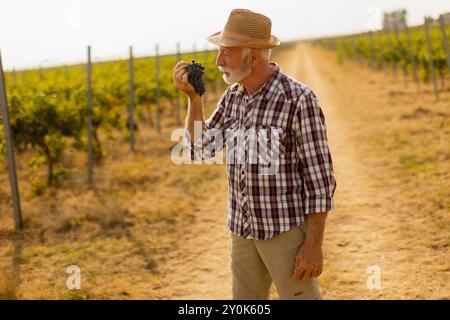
375,221
368,226
351,241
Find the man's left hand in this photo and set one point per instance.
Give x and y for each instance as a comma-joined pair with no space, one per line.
308,262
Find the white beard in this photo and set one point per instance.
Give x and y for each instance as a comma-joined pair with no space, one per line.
237,75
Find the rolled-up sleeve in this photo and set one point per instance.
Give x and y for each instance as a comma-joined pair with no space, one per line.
319,183
212,138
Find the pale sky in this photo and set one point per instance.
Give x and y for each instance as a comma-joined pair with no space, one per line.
46,32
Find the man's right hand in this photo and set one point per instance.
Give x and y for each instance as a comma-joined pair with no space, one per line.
180,79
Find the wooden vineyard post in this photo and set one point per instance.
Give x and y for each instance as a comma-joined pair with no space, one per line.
412,57
131,102
382,51
90,159
399,50
430,53
444,37
66,72
341,48
349,48
372,50
355,52
158,92
9,151
391,48
41,74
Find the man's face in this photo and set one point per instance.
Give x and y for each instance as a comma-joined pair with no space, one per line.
233,64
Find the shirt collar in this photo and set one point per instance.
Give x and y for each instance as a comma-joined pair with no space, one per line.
265,87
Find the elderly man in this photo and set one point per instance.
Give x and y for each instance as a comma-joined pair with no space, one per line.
277,217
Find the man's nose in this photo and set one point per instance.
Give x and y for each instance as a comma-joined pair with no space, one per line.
220,61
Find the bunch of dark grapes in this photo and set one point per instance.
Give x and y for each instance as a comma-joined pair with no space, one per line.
195,73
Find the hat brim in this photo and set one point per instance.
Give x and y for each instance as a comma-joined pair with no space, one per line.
219,40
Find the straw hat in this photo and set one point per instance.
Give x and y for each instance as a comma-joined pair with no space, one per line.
246,28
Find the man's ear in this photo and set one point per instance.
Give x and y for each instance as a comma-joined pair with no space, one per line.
254,56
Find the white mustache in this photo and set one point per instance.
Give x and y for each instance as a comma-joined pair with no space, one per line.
225,69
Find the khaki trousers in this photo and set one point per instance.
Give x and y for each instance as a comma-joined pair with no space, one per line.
256,263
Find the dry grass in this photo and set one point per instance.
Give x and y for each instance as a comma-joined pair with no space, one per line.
118,231
8,286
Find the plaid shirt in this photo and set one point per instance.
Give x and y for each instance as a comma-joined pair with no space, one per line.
266,198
